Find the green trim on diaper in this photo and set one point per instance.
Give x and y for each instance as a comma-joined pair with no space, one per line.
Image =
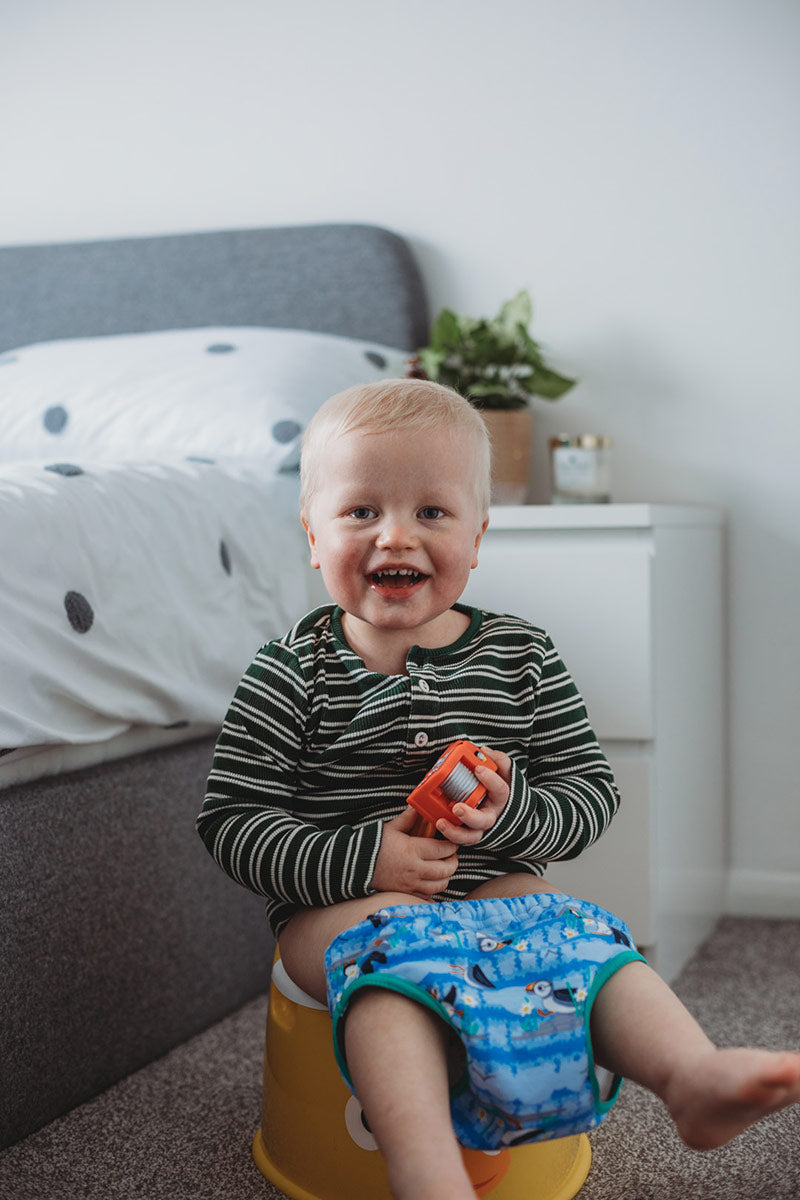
391,983
605,972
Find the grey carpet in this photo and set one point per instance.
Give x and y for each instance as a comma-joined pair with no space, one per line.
181,1128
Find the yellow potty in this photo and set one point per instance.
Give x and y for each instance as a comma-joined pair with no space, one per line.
313,1143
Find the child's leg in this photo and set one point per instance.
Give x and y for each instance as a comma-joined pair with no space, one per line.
641,1030
518,884
397,1052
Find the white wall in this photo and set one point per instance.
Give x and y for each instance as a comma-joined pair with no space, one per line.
634,163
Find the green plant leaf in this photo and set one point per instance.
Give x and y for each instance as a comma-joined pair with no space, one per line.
431,362
550,385
494,362
517,311
496,400
488,389
446,330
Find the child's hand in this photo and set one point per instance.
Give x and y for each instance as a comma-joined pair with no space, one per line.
475,821
419,866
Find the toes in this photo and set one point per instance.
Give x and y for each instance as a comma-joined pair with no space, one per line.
783,1075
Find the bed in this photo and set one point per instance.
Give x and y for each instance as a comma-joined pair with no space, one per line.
152,396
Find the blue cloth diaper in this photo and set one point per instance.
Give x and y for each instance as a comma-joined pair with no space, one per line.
515,978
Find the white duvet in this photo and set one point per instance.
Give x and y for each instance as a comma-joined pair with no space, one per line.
150,541
135,594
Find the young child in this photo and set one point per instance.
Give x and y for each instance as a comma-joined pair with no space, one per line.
333,725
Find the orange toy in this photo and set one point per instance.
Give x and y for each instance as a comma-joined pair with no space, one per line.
451,780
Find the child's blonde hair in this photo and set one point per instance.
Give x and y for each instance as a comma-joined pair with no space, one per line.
396,404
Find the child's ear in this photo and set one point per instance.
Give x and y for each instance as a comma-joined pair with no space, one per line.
312,542
478,540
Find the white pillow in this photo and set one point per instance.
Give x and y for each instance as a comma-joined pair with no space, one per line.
186,392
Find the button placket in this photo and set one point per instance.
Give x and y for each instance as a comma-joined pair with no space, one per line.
425,709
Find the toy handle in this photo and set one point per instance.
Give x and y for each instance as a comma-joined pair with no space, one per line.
422,828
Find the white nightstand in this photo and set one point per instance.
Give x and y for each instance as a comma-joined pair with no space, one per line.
632,597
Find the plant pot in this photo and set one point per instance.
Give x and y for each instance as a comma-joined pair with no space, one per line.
511,433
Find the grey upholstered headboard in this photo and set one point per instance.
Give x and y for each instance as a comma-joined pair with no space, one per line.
358,280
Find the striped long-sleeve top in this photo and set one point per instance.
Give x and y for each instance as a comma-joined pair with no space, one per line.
317,752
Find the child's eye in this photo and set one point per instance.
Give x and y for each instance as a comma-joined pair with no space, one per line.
430,512
362,513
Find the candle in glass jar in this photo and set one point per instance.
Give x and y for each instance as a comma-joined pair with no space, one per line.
581,469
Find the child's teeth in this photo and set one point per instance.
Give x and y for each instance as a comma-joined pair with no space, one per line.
394,573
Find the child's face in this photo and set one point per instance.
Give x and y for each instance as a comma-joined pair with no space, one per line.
396,502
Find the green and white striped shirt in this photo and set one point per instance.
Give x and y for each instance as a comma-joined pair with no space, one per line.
317,752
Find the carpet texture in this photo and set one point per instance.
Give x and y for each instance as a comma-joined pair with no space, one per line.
180,1129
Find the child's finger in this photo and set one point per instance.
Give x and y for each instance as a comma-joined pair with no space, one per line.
502,760
433,850
404,821
459,835
433,876
474,818
493,781
439,868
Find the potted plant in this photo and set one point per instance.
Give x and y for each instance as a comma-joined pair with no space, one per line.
498,366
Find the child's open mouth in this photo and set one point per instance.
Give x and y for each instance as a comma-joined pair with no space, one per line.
396,580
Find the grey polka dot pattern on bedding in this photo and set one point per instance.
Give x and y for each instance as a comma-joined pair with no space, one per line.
286,431
79,612
55,419
66,469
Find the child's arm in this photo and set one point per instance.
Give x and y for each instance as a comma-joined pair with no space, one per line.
561,793
248,822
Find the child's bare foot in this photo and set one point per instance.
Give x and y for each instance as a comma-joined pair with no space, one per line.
724,1091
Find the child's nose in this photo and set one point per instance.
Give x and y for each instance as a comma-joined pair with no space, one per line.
395,534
